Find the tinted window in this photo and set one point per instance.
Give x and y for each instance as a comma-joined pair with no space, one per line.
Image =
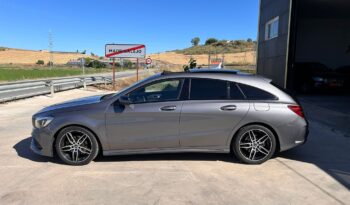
253,93
235,93
208,89
156,92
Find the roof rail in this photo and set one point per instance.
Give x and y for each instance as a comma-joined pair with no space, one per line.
208,71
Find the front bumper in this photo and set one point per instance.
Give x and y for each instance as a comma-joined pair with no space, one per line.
42,142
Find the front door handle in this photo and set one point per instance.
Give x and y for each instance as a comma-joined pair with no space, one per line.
228,107
168,108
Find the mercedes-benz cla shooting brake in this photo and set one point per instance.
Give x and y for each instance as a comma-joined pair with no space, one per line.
196,111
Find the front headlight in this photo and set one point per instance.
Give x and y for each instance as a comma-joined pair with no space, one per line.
41,122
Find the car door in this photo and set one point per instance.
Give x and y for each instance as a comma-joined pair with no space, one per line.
214,108
150,121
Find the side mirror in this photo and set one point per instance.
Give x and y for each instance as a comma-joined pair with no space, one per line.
124,100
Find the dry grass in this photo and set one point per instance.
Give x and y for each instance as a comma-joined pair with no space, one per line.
243,58
18,56
123,82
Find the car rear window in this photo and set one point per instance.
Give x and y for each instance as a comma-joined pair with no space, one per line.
208,89
253,93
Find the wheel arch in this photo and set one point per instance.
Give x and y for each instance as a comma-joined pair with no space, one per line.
278,147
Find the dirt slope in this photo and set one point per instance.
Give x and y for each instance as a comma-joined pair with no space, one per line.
19,56
232,58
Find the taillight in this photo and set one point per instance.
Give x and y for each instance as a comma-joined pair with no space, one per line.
297,110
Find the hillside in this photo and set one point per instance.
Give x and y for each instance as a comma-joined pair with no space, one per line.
213,46
20,56
241,58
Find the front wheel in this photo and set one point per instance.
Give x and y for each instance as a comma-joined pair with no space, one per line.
254,144
76,146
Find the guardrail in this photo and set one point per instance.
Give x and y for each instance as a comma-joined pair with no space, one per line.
24,89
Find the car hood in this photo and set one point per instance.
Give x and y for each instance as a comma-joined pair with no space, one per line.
73,103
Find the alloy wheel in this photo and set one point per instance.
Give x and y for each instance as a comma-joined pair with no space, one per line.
255,144
75,146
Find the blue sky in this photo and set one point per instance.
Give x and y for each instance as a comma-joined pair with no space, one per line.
88,25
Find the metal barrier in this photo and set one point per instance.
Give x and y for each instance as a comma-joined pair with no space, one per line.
24,89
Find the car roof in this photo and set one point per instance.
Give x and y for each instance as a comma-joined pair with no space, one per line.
251,80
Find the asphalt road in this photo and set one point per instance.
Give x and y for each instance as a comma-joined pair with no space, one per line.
315,173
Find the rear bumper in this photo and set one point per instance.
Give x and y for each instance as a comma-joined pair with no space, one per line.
42,142
297,135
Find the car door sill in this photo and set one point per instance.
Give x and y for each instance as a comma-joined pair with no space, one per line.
166,150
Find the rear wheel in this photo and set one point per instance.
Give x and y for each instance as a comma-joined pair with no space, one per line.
254,144
76,146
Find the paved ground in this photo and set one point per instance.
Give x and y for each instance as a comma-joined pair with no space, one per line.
316,173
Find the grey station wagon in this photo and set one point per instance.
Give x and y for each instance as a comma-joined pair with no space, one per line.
197,111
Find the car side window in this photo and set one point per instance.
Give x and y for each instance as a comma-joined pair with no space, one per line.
208,89
253,93
166,90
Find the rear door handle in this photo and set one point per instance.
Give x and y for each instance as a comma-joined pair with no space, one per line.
228,107
168,108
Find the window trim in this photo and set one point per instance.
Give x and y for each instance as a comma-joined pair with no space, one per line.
182,81
270,22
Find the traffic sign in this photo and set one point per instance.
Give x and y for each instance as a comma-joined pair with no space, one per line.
148,61
125,51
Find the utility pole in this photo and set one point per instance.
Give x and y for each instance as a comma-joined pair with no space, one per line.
50,49
209,59
82,61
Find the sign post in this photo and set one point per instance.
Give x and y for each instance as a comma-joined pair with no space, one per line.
137,69
82,62
113,75
125,51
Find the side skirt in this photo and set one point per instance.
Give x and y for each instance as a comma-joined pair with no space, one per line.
166,150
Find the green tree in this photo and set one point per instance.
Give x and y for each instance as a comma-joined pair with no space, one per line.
195,41
210,41
249,40
192,63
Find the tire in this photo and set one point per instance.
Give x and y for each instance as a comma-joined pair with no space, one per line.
250,151
76,146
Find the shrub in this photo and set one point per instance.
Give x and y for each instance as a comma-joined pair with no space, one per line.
127,64
40,62
96,64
